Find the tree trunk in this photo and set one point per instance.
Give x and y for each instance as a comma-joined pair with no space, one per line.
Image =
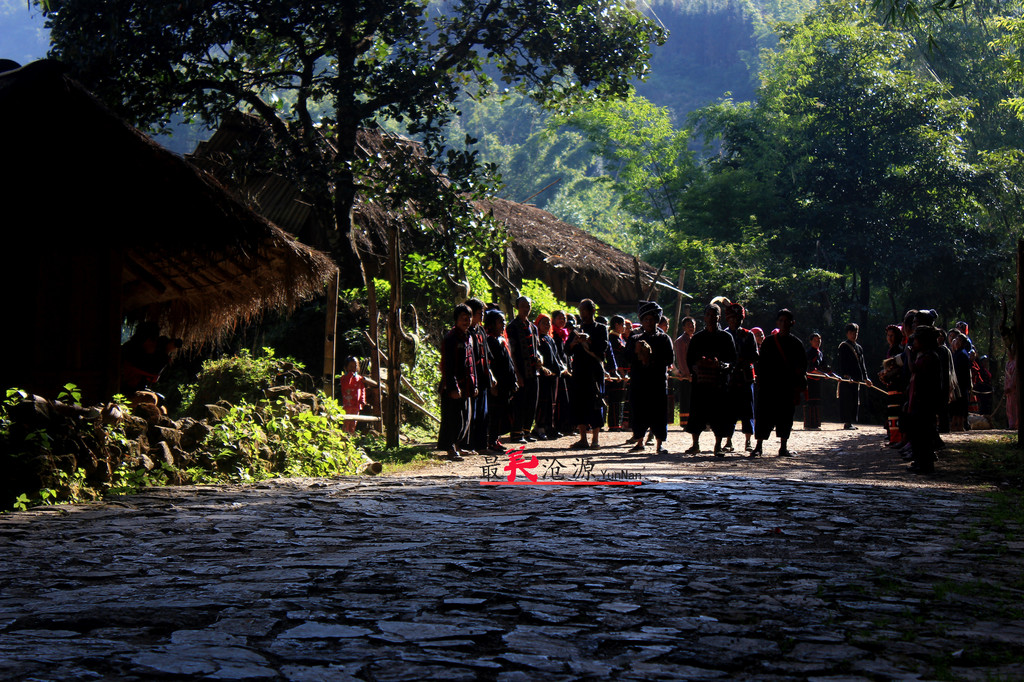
865,296
391,411
896,316
344,246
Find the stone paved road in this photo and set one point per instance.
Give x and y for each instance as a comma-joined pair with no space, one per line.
687,577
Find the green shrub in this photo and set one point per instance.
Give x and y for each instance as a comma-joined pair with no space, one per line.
238,378
269,439
542,297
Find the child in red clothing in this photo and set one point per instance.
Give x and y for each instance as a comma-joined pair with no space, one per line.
353,391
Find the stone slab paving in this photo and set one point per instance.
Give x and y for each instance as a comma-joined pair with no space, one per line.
682,578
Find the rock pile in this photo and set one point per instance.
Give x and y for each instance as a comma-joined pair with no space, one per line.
77,451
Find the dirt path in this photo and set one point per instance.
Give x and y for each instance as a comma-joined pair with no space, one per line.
832,454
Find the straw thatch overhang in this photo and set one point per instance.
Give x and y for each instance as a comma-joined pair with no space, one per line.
237,155
104,224
575,264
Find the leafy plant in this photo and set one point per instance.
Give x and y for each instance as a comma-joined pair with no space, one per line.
254,442
70,392
236,378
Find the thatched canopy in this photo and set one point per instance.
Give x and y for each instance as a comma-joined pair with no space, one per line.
105,224
575,264
244,138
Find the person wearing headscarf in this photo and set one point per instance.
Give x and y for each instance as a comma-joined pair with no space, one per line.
523,342
650,355
564,420
685,383
893,378
924,399
458,383
815,365
477,440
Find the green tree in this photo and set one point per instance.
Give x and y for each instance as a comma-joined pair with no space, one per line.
316,72
862,159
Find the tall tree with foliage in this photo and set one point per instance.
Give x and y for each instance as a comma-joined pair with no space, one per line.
316,72
864,159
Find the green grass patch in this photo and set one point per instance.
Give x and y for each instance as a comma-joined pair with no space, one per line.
419,454
994,460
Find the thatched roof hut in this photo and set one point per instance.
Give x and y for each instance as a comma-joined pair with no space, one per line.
105,225
575,264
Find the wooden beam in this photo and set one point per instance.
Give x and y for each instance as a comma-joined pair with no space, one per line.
654,283
405,382
679,303
406,399
151,280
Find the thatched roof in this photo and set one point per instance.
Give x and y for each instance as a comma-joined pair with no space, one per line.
574,263
194,258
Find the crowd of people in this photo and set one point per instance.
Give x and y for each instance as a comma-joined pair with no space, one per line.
538,377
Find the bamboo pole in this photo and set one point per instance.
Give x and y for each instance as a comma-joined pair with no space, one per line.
679,303
405,382
371,295
409,401
654,283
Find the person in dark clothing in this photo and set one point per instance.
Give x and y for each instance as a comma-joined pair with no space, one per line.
710,356
962,369
550,374
616,388
523,342
499,416
950,387
144,357
650,355
892,377
458,383
564,420
477,440
925,399
587,346
780,380
850,365
815,365
741,379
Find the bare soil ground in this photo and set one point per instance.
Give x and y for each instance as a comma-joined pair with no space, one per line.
829,455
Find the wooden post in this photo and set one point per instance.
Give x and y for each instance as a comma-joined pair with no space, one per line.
650,295
391,406
330,329
636,280
679,304
371,299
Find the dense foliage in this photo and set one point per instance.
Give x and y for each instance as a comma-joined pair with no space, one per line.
315,73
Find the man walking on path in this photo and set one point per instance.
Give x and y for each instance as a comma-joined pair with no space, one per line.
649,354
711,355
780,380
